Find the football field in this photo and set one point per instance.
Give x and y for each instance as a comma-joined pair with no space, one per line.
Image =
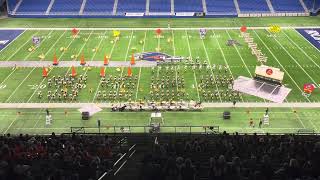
287,50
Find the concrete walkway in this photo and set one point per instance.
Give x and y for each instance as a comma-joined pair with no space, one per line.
108,105
32,64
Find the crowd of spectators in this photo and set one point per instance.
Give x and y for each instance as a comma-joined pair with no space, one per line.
72,157
233,157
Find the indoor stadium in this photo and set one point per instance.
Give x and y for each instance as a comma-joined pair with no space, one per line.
159,89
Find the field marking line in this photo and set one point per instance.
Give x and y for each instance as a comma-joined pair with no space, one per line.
225,59
298,117
163,28
97,89
306,40
209,62
174,54
246,128
68,68
314,126
301,49
13,40
280,63
13,121
245,64
294,59
14,55
126,57
194,74
49,71
27,74
138,83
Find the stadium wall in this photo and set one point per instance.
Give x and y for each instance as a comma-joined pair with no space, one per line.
110,16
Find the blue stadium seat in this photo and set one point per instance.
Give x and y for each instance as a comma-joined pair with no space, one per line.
33,6
287,6
66,6
12,4
99,7
160,6
221,7
313,5
131,6
190,6
253,6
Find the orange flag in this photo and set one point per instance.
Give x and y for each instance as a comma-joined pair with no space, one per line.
129,71
55,59
44,72
73,72
132,60
82,61
102,72
106,60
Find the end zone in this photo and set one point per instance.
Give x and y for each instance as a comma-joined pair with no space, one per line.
312,35
8,36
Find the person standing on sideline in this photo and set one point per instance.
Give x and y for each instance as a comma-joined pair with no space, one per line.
260,123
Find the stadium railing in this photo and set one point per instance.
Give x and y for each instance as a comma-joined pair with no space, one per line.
146,129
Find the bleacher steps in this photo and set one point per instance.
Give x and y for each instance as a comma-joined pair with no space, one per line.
236,4
304,6
204,6
147,7
270,6
49,7
115,6
172,7
17,7
82,7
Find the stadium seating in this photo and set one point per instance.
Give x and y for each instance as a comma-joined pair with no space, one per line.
66,7
131,6
57,157
221,7
253,6
287,5
157,7
191,6
160,6
33,6
313,5
99,7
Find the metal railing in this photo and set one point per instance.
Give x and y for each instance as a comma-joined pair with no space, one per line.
147,129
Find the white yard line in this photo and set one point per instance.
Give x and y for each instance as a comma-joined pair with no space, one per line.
245,65
18,50
68,68
49,71
242,59
174,54
280,64
27,74
138,84
97,89
300,120
225,59
208,60
126,57
307,40
5,132
301,49
295,61
194,74
13,41
163,28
